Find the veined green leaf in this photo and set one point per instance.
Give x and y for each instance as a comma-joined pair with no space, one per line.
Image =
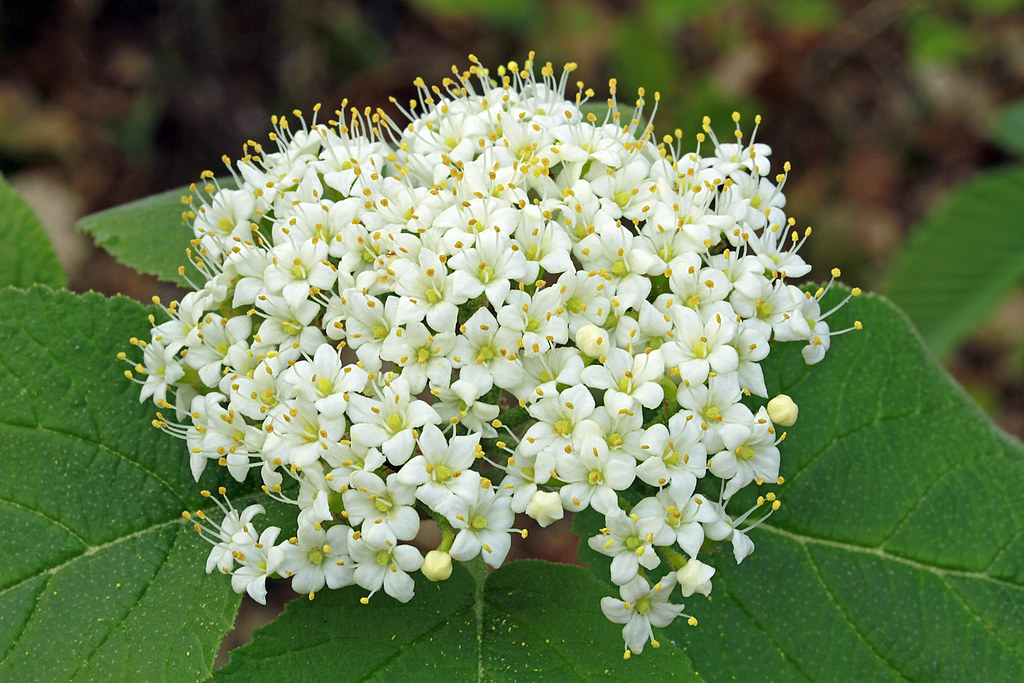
529,621
962,258
100,579
26,255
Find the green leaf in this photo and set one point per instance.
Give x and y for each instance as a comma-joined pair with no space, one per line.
529,621
100,579
149,234
897,551
26,255
1008,129
962,258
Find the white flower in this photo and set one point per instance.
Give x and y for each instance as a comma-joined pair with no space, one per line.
383,508
380,563
316,558
592,476
628,543
256,567
391,422
443,467
642,607
483,519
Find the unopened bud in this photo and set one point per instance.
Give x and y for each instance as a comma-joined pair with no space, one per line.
545,507
783,411
695,577
437,565
592,340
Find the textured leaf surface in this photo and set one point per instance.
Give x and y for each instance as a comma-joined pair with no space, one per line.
99,577
530,621
26,255
962,259
898,552
148,234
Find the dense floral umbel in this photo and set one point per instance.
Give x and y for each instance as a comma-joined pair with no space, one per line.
377,294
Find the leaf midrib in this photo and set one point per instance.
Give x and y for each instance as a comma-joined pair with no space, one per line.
941,572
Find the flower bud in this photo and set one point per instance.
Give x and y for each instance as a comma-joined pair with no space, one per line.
545,507
695,577
783,411
437,565
592,340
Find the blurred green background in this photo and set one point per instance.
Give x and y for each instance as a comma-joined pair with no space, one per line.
881,106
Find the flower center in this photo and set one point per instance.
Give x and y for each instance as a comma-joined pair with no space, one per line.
382,504
643,605
432,295
395,422
712,414
485,273
478,522
622,198
532,324
545,375
379,331
619,268
672,458
574,304
563,427
633,542
764,309
316,556
700,349
745,453
324,386
423,354
442,474
595,478
383,557
485,354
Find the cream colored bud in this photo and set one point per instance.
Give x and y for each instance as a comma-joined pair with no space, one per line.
695,577
545,507
783,411
437,565
592,340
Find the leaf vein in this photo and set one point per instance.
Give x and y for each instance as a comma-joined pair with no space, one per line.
113,626
878,552
846,616
982,619
56,522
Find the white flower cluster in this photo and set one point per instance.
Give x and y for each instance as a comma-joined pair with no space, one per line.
377,295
